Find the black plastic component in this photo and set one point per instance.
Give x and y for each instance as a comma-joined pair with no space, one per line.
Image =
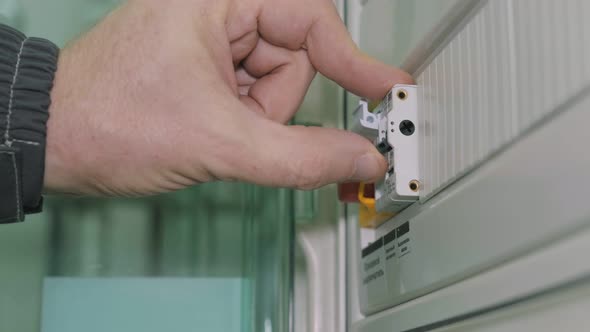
384,147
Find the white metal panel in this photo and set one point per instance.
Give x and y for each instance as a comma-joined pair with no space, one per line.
320,248
551,267
523,198
391,30
564,311
512,66
509,67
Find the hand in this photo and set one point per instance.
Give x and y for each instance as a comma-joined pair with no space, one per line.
162,95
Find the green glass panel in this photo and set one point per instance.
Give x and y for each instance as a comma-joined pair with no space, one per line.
170,262
141,304
138,254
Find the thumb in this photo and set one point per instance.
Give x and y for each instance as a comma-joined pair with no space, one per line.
310,157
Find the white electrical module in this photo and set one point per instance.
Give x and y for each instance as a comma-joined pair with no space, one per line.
392,126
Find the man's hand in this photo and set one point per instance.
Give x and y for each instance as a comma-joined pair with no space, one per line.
162,95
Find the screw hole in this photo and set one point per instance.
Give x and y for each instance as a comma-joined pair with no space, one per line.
402,94
414,185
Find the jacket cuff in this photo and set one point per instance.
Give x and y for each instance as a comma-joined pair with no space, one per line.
27,70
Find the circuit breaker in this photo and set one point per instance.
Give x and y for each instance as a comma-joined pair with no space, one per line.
392,126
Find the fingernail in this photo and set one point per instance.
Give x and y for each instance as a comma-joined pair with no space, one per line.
367,168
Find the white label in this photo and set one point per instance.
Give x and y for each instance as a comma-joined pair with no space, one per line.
403,239
373,268
390,246
392,263
380,264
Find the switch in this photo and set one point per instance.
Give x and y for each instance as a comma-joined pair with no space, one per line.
392,127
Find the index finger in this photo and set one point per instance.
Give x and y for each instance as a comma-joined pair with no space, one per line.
334,54
316,26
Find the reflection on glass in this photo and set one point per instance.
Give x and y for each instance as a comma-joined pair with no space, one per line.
214,258
217,257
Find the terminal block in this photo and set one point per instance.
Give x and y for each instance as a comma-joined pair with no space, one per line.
393,127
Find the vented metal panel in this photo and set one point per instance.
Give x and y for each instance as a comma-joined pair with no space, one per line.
507,91
507,69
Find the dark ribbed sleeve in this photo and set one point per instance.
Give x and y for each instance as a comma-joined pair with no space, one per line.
27,69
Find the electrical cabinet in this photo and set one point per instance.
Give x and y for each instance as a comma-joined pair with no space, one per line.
492,237
496,82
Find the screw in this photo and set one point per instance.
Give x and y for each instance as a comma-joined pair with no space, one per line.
407,127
